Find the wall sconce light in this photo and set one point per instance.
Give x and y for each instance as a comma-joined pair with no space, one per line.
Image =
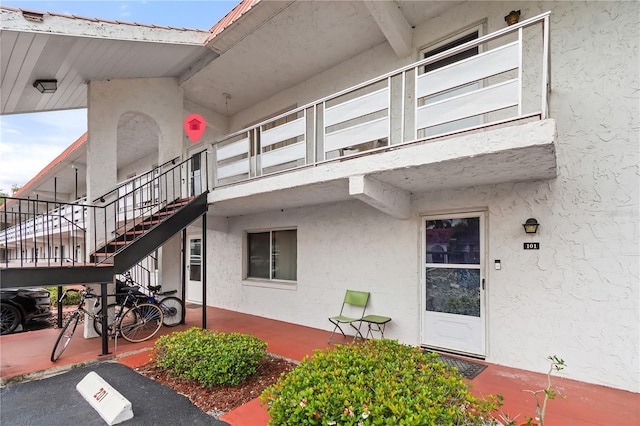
46,86
513,17
531,226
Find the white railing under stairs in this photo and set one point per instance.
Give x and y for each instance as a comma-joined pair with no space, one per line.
34,224
506,80
44,232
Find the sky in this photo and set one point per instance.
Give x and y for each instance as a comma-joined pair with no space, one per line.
28,142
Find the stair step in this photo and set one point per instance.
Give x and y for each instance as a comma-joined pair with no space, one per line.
180,202
184,200
134,230
164,213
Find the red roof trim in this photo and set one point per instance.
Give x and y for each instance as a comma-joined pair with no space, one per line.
243,7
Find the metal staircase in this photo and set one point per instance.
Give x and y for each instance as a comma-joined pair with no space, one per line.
142,238
122,227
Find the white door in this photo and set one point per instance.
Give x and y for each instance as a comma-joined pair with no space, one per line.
194,271
453,283
194,173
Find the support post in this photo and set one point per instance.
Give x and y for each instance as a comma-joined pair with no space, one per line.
59,306
103,308
184,272
76,169
203,263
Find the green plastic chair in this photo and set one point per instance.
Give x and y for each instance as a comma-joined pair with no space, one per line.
355,302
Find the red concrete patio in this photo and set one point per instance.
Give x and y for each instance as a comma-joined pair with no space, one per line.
26,356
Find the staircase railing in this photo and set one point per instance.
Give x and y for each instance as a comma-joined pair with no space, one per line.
144,273
46,233
136,182
138,208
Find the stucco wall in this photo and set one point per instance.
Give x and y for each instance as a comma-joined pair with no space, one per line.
138,166
340,246
577,297
160,99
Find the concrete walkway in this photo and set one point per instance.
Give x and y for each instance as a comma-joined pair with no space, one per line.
25,356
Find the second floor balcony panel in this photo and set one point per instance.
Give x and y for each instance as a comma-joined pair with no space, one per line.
474,114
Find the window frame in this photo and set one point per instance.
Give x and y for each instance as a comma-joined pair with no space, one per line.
460,37
262,281
452,38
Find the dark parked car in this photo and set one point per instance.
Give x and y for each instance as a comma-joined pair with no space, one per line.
22,306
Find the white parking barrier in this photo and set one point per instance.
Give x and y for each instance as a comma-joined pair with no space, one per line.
108,402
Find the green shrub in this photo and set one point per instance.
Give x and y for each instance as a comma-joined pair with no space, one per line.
379,382
210,358
72,297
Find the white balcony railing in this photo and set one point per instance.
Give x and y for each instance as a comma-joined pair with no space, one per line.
32,224
507,80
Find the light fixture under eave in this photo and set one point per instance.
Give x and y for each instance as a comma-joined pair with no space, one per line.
531,226
46,86
513,17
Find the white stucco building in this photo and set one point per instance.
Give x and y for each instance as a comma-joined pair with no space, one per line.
356,145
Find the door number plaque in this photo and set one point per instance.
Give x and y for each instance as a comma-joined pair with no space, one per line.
532,246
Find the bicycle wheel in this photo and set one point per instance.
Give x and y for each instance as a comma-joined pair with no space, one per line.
141,322
65,336
172,309
113,310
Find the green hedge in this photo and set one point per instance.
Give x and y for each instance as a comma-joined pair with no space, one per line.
379,382
210,358
72,297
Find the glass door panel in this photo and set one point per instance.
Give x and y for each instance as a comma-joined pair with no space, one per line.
453,308
194,271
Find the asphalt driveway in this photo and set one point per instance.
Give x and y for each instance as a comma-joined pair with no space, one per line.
55,400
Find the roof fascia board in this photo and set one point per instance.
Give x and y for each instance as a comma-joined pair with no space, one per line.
67,25
198,65
246,24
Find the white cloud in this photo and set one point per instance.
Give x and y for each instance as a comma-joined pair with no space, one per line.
19,166
28,142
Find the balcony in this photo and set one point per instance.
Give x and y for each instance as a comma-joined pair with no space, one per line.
476,121
428,126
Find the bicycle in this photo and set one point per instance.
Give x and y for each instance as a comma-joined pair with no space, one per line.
129,295
172,307
135,324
